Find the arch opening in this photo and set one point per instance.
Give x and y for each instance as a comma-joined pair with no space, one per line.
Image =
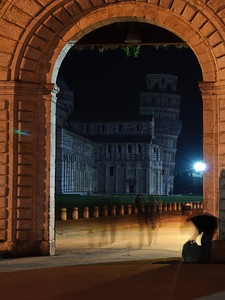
87,77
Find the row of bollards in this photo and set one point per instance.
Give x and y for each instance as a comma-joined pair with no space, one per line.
112,210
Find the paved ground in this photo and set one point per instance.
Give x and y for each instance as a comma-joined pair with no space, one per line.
166,232
113,259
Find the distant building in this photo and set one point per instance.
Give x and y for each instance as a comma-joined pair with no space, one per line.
75,168
120,154
163,103
126,159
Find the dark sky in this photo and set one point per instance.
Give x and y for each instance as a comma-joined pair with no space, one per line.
112,82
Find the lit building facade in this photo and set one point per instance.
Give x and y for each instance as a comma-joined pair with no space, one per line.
127,154
161,101
126,158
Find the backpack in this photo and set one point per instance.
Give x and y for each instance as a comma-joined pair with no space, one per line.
191,252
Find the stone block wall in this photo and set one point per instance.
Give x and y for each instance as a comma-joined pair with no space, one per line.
4,164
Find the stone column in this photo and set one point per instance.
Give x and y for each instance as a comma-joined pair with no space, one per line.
76,171
69,173
211,116
147,183
213,96
158,180
27,169
8,166
66,173
53,98
106,179
79,177
46,120
150,179
59,164
125,181
137,179
73,173
116,177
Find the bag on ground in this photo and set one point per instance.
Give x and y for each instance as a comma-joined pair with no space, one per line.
191,252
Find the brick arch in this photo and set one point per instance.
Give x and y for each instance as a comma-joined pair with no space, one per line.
35,36
47,33
198,42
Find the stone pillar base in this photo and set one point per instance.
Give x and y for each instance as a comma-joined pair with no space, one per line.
26,249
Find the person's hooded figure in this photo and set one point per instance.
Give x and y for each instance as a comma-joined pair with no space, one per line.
206,224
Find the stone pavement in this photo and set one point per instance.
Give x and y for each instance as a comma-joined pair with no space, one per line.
113,269
90,241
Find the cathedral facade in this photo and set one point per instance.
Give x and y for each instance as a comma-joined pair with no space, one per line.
122,155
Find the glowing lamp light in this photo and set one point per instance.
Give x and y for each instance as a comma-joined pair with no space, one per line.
199,167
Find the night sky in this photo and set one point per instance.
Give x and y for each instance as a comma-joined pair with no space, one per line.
111,82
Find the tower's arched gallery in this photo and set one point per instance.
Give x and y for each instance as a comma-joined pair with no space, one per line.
119,154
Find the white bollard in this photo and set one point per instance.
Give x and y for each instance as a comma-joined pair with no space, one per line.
164,207
63,215
174,206
169,206
121,210
129,209
178,206
96,212
113,210
75,213
86,212
135,210
105,211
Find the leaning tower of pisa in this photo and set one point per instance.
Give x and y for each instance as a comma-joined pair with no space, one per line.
162,101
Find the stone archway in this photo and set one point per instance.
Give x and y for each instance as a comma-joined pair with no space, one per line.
35,36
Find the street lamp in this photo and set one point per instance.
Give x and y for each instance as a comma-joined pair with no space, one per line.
199,167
